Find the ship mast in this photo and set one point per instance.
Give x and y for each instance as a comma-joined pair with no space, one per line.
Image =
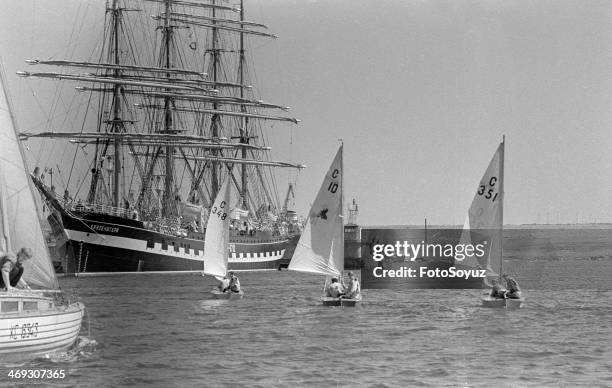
501,207
167,31
215,118
245,121
117,123
166,94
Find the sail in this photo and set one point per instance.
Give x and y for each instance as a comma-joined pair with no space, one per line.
5,238
20,222
321,246
485,216
216,239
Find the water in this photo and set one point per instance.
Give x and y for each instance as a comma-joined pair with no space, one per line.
164,331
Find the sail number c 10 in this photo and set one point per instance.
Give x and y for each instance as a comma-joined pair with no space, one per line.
333,186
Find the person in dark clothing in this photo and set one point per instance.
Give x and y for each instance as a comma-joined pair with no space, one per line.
17,271
7,262
514,291
15,268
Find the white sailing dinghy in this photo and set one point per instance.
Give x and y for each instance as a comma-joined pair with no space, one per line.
33,323
486,215
216,241
320,249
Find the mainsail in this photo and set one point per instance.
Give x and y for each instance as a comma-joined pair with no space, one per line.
217,234
20,222
321,246
485,216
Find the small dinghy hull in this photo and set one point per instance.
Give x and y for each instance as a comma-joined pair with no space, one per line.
507,303
344,302
329,301
216,294
349,302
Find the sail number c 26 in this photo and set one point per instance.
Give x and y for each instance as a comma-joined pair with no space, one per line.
333,186
490,192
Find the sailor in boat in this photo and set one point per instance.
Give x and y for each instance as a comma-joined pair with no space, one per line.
514,291
497,290
335,289
6,265
12,269
17,271
224,284
353,289
234,283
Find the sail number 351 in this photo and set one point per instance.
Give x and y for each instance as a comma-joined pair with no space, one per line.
490,192
333,186
220,212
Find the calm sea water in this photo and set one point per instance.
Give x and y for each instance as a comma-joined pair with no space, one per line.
164,331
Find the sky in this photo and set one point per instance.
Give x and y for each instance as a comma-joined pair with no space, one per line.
420,92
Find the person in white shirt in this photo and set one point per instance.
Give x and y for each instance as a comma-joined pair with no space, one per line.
353,289
234,283
223,284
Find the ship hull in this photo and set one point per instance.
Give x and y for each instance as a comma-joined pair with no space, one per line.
37,333
102,243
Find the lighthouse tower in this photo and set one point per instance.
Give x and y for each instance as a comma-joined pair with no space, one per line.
352,238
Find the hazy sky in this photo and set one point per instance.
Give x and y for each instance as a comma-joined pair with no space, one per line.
420,91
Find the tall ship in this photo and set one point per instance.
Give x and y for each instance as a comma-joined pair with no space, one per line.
165,114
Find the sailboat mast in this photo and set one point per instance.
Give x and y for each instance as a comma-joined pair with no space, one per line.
501,207
168,103
117,121
245,120
342,202
215,117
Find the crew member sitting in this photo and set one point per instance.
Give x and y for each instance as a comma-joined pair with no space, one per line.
6,265
353,289
11,267
497,291
514,291
17,271
335,289
223,284
234,283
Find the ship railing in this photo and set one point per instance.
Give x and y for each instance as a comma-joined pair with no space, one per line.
170,226
105,209
98,208
81,206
